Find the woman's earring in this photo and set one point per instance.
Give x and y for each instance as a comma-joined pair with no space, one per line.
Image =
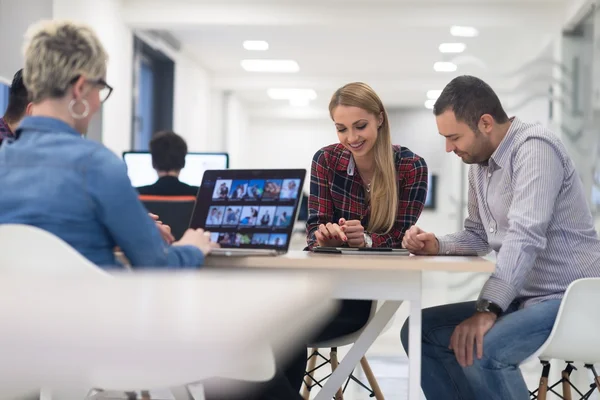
86,109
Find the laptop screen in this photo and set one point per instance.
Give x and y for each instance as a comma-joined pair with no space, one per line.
141,172
253,209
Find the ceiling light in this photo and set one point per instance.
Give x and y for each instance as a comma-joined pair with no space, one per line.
452,47
429,104
288,94
443,66
256,45
433,94
463,31
270,65
299,101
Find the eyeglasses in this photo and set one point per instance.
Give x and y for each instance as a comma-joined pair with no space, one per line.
105,88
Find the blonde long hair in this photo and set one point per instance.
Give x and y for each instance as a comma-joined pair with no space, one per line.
384,185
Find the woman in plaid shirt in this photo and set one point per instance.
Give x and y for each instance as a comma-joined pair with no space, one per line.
363,192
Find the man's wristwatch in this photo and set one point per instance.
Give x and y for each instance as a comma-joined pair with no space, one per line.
487,306
368,239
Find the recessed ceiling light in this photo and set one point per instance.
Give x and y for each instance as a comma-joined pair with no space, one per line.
256,45
444,66
429,104
270,65
452,47
464,31
288,94
299,102
433,94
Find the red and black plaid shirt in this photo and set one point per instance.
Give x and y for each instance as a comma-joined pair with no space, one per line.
337,191
5,132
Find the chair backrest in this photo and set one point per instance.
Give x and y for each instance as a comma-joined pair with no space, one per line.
28,249
174,211
574,336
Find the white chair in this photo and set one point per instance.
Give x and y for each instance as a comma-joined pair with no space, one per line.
55,290
574,338
28,249
333,344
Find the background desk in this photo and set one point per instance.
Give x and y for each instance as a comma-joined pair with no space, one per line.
391,279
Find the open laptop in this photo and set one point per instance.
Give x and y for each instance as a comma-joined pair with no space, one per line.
249,212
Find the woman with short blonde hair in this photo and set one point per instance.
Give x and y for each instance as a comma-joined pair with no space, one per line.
77,189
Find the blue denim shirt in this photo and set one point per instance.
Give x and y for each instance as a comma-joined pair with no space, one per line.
77,189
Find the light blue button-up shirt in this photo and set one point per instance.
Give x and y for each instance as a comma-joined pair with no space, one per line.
528,204
77,189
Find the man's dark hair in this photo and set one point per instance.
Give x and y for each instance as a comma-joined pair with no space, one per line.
168,151
470,98
17,99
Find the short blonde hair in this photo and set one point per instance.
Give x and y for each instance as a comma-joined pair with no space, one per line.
56,52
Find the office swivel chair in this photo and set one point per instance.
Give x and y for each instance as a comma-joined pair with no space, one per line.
174,211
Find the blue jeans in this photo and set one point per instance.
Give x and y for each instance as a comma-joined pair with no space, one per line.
515,336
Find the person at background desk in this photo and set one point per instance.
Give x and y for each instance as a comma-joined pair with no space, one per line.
77,189
168,151
527,203
364,192
18,107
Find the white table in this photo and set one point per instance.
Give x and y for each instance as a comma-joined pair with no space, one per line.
146,330
391,279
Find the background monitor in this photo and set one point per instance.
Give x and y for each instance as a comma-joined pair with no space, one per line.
141,173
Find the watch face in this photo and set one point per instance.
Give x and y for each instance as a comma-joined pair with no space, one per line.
483,306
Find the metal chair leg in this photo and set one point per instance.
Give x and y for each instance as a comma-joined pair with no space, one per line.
308,381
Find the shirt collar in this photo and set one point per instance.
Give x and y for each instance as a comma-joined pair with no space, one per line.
5,128
45,124
502,153
346,162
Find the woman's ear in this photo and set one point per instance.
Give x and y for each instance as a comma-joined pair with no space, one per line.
380,120
78,88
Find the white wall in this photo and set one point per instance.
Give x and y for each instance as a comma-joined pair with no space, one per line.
237,139
15,18
192,99
105,18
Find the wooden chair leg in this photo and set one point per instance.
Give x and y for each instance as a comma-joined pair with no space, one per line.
543,388
371,379
334,364
566,382
596,377
309,381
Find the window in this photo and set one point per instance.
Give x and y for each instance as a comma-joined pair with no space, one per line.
153,83
3,98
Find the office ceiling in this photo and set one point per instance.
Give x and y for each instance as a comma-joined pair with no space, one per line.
390,44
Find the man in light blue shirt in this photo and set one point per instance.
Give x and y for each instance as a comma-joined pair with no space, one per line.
527,203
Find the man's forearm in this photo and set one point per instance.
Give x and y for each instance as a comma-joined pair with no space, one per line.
465,242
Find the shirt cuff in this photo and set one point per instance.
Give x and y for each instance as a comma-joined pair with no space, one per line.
498,292
446,247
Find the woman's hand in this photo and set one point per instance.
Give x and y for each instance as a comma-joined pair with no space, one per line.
165,230
330,235
354,232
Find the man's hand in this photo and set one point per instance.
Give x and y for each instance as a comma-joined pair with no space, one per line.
470,333
419,242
